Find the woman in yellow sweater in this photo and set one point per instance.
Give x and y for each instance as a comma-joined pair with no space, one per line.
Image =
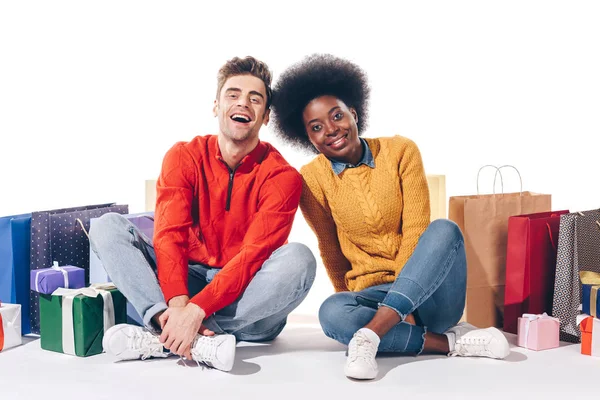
400,280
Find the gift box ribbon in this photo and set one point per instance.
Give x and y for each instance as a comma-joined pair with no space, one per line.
10,329
595,345
68,336
591,278
54,267
532,317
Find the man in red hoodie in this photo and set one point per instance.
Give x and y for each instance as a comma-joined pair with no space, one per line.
224,210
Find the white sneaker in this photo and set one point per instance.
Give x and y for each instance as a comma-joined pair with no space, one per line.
361,363
216,351
131,342
460,329
489,342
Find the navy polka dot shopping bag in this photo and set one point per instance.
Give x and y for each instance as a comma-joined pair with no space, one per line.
58,235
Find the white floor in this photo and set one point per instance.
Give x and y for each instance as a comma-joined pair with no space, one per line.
301,362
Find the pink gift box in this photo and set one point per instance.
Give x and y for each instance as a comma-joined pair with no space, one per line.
538,332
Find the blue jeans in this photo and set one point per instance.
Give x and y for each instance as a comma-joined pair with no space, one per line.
432,286
259,314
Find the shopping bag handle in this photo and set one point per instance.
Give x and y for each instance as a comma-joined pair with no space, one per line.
551,239
83,228
497,171
518,173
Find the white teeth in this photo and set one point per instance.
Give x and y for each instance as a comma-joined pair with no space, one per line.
245,118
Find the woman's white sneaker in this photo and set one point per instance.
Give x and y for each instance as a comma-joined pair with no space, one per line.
360,363
489,342
460,329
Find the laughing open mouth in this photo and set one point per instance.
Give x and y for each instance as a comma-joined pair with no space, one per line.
241,118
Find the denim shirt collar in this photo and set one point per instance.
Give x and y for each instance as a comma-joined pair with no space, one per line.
367,159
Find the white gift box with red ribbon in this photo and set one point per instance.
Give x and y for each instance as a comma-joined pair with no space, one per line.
10,325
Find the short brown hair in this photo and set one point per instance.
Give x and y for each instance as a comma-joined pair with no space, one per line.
245,66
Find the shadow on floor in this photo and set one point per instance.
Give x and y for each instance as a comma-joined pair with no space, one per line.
293,340
313,339
24,340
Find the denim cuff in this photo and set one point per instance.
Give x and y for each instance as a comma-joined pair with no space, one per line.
399,303
150,313
422,340
415,342
211,324
406,338
398,300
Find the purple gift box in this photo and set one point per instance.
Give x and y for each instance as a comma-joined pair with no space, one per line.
47,280
144,222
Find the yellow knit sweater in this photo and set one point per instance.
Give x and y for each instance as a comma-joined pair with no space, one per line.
367,220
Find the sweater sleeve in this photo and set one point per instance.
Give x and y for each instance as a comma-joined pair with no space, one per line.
173,219
415,196
317,214
268,230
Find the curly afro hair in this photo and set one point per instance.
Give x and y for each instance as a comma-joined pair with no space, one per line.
317,75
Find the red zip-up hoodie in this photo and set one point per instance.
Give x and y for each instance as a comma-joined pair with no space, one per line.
231,219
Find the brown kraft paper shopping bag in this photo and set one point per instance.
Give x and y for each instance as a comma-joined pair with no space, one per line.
483,220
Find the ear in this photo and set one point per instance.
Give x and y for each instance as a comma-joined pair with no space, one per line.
266,117
215,108
354,114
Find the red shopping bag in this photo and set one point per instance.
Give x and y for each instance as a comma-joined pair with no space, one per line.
530,265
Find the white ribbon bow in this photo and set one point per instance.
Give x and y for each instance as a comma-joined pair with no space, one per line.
54,267
68,336
533,317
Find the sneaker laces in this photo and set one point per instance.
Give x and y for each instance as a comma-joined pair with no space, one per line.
471,345
361,347
145,343
204,350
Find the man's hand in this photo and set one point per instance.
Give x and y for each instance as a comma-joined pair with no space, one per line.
180,326
179,301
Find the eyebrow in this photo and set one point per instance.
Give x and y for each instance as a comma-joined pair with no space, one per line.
316,119
253,92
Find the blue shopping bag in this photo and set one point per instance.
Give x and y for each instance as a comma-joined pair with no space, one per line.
15,239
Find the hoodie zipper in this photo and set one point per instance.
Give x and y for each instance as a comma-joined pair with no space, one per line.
230,186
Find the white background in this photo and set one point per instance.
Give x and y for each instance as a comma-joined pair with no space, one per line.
92,94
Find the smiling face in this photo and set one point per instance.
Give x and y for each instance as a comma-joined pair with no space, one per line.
331,128
241,108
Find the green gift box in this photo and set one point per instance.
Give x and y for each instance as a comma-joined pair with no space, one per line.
73,321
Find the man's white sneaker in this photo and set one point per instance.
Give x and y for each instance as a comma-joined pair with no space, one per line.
489,342
130,342
216,351
361,363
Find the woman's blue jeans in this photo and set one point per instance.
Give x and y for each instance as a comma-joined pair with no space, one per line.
431,286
